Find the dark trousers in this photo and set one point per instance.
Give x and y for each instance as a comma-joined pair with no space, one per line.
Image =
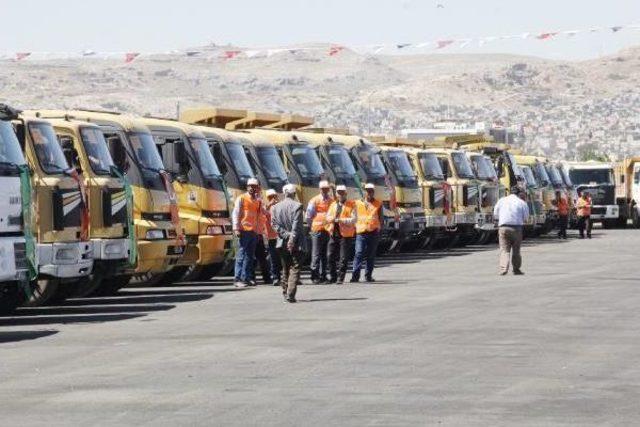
274,260
366,246
262,261
338,254
584,222
563,220
245,257
319,243
291,266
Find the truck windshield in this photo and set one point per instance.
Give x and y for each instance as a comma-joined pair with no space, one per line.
566,177
484,168
528,177
517,171
553,173
47,148
462,165
306,161
401,167
430,166
371,162
205,159
10,152
95,146
541,174
145,151
271,163
341,162
591,176
239,159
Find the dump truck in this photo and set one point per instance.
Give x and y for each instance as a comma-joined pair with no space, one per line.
61,223
156,220
201,195
571,192
537,219
109,197
490,189
18,264
546,187
597,178
558,184
627,178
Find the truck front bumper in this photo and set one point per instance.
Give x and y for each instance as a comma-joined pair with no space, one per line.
158,256
605,212
13,259
65,260
111,249
464,218
204,250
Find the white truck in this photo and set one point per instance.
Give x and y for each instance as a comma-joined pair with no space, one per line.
597,179
14,264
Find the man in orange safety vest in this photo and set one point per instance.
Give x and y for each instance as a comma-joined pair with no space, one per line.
246,217
341,226
316,218
368,225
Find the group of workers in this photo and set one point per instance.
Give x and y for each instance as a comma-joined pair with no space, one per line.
272,234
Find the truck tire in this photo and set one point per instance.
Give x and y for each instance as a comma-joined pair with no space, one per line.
42,290
9,298
635,218
208,271
608,224
111,285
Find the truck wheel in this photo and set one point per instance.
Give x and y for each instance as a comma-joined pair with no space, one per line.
176,274
9,298
608,224
208,271
635,218
67,290
110,286
42,290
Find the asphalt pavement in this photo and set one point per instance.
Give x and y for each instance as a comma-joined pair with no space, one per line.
440,339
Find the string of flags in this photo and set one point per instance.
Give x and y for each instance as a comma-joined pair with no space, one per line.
225,54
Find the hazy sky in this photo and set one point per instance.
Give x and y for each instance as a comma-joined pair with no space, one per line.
159,25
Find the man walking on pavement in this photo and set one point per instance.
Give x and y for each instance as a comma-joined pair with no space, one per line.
286,219
246,217
511,213
584,214
316,216
368,225
341,226
272,236
563,215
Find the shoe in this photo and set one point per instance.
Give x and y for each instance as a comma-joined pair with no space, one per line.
340,280
369,279
354,280
292,300
267,282
239,284
277,283
589,236
518,273
333,280
251,283
316,281
503,273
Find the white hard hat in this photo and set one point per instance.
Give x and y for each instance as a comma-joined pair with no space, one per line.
289,189
324,184
252,181
341,188
369,186
271,192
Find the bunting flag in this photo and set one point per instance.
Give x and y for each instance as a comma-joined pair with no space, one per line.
22,55
403,45
616,28
546,36
230,54
441,44
335,50
129,57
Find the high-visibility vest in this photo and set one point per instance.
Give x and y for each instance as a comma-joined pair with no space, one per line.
563,207
266,228
368,216
584,206
250,212
346,230
321,207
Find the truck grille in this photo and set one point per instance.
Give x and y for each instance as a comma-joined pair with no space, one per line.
20,253
470,195
598,211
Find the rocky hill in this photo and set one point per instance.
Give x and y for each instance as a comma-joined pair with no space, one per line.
561,109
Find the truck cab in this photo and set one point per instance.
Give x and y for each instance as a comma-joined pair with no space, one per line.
61,224
199,187
489,194
546,188
572,194
627,177
598,179
18,264
86,151
155,243
536,220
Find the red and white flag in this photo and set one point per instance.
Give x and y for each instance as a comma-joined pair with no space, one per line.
441,44
334,50
546,36
22,55
130,57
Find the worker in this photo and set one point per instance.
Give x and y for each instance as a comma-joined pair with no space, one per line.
368,225
584,214
512,213
246,216
261,258
316,215
341,226
286,220
563,215
272,238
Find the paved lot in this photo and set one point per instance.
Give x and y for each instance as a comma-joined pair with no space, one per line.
441,340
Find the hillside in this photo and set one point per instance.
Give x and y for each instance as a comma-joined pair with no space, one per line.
561,108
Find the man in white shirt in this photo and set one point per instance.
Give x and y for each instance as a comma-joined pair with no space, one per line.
511,212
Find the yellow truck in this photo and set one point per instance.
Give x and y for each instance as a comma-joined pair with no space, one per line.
201,196
627,179
109,202
536,189
61,221
490,189
537,165
155,211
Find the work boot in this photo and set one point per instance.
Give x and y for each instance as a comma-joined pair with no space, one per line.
354,279
518,273
369,279
251,283
340,280
240,284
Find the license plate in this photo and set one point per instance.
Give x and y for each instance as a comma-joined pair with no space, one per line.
175,250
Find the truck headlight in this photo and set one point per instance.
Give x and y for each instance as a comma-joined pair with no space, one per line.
155,235
113,248
215,230
65,254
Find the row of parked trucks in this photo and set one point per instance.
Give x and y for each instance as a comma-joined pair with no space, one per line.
93,200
